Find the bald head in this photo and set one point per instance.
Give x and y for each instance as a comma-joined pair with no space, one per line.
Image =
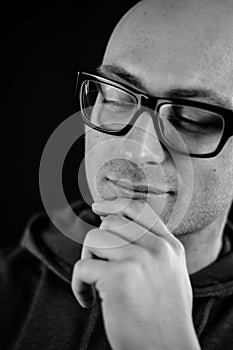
182,43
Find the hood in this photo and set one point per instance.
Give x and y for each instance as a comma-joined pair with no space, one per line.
60,253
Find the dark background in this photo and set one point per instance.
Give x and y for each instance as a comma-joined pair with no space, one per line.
43,47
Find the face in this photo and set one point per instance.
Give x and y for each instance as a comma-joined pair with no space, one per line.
167,47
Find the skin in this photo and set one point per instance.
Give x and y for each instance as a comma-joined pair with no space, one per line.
192,57
167,45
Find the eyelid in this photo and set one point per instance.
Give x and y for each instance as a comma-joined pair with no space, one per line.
141,93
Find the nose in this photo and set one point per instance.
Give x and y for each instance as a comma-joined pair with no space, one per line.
141,144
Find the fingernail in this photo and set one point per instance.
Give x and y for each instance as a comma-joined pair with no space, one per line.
99,204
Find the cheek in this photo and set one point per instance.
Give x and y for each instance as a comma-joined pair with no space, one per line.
93,141
212,191
214,177
99,148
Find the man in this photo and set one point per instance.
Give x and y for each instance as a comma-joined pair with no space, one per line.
156,273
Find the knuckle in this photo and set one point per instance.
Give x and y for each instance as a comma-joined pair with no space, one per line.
142,257
78,266
179,248
163,247
90,237
168,248
127,271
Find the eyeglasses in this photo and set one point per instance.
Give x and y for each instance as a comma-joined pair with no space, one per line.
186,127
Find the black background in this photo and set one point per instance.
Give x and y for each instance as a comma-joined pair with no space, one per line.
43,46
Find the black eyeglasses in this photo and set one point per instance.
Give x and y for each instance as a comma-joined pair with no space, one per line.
186,127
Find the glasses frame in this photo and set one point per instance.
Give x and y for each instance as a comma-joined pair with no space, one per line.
154,103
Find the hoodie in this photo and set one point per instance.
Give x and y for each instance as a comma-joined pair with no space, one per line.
39,311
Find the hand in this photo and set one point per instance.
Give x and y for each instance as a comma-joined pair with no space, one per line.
141,277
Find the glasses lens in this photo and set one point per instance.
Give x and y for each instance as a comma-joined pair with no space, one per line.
107,106
191,129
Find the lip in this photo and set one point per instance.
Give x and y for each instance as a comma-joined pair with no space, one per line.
139,190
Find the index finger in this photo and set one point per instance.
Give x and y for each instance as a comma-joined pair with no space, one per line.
137,211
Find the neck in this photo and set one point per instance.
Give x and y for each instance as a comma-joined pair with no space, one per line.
203,247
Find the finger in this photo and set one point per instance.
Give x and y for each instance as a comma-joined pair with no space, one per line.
87,294
97,239
140,237
137,211
85,275
107,245
130,231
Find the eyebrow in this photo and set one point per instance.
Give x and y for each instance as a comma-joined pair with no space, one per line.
113,71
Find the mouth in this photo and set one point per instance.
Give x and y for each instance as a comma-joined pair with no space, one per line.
136,191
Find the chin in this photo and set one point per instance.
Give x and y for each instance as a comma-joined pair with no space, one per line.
200,219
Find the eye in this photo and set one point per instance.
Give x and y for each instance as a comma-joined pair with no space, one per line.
193,119
111,94
113,97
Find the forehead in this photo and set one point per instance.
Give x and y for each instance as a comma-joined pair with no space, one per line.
169,48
